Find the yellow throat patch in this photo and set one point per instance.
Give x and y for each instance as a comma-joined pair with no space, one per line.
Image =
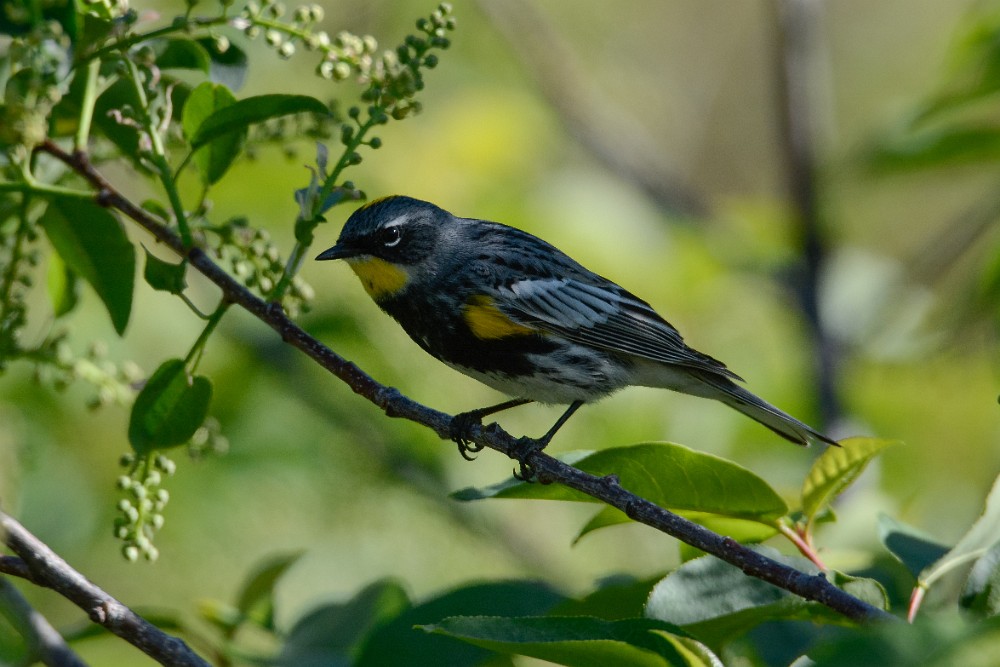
379,278
486,321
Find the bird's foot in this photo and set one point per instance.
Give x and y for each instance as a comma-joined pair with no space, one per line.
459,429
526,450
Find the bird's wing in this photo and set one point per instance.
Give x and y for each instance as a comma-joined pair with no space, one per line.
604,316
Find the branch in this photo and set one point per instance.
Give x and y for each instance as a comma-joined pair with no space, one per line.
45,568
798,28
44,642
394,404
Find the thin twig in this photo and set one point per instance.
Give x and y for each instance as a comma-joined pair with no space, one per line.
44,642
49,570
607,131
395,404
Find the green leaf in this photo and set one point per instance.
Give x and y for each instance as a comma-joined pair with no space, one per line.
245,113
717,602
913,548
95,30
256,600
397,638
616,598
332,634
18,17
981,593
222,615
864,588
156,208
63,286
92,243
515,488
182,54
164,276
169,409
578,641
742,530
228,67
975,543
940,640
215,158
948,146
836,469
703,487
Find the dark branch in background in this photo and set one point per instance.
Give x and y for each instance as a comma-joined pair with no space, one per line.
45,644
605,489
796,59
45,568
939,254
604,129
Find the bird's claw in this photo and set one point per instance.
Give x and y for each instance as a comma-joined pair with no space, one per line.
458,430
527,448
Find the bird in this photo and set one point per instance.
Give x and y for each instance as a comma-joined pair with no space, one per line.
516,313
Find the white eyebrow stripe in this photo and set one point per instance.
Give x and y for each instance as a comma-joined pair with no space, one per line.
398,221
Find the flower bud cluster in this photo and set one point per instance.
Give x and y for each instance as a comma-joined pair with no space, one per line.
393,77
284,37
254,259
36,77
141,508
208,440
19,258
58,366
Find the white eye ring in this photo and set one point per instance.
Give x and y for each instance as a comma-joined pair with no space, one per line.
393,236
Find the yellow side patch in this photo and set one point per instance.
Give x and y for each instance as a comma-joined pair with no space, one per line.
379,277
486,321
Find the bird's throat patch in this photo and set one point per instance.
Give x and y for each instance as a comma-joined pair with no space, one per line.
379,278
487,322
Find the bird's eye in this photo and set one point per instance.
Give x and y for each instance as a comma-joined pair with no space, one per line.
391,236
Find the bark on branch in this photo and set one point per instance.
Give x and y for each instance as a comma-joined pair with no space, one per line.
42,566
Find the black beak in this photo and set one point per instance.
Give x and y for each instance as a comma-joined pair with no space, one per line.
339,251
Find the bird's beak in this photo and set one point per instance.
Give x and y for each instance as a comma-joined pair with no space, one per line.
339,251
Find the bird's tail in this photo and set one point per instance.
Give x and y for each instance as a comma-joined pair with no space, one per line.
761,411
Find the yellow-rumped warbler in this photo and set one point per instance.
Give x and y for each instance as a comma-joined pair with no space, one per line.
517,314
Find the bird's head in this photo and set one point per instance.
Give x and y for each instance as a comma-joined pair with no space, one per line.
387,241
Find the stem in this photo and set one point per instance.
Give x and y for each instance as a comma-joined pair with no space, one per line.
298,253
190,304
146,462
158,156
31,186
292,267
194,355
87,105
344,162
126,43
916,599
802,544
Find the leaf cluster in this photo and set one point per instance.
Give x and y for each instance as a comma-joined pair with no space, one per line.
165,101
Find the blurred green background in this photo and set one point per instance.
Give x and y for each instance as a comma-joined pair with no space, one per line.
313,467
